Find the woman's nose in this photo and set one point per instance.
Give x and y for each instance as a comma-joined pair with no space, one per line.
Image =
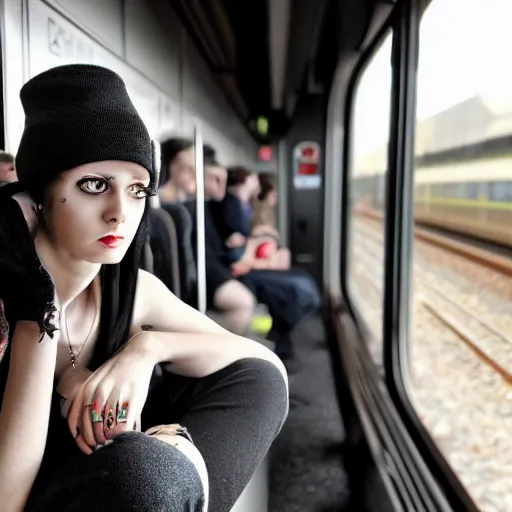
115,211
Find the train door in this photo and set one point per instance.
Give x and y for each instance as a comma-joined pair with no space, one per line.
305,143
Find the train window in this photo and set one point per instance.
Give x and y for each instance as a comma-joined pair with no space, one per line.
501,191
371,119
460,358
472,190
483,191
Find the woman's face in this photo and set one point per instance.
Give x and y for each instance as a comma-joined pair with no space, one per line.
93,211
272,198
183,172
254,185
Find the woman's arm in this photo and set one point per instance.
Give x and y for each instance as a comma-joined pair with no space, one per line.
199,354
194,344
25,413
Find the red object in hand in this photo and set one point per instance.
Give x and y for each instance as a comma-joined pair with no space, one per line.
264,250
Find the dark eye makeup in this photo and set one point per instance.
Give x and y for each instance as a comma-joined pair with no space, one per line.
95,185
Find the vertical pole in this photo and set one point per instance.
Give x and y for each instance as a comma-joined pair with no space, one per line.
200,231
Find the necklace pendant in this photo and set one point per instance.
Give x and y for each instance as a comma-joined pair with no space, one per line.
72,357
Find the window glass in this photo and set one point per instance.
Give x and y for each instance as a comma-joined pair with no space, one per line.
370,131
461,329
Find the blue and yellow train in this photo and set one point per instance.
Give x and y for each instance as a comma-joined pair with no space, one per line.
472,197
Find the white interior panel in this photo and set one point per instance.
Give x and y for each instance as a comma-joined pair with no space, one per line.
166,77
54,41
101,18
152,43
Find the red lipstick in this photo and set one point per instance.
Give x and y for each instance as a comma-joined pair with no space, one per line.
112,241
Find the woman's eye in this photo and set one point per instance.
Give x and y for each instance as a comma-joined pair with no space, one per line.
139,191
93,185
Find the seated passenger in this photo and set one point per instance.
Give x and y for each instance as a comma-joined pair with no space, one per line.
177,178
7,168
232,303
233,217
289,295
264,207
113,434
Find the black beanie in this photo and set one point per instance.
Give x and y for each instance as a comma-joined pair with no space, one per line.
74,115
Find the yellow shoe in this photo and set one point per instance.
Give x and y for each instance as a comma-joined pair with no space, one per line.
261,324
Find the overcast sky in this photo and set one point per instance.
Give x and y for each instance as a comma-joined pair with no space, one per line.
465,48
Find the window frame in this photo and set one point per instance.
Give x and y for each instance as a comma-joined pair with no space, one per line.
348,167
398,233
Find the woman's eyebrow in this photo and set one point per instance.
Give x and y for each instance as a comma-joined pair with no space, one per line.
133,176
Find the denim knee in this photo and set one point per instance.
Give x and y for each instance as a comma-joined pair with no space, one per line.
308,293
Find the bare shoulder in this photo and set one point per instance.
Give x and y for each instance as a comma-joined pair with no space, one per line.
157,308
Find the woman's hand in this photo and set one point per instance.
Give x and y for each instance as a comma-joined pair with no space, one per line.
235,241
111,400
241,268
69,385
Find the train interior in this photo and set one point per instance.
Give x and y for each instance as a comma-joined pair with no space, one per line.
388,125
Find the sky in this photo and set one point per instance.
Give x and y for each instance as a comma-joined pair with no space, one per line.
465,50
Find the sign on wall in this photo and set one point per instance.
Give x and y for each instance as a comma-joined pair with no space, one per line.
306,165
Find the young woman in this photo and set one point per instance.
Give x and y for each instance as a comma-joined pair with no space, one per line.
87,422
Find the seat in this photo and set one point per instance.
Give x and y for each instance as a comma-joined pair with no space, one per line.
164,245
188,270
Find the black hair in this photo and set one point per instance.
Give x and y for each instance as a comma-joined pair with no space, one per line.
237,175
118,287
267,184
169,149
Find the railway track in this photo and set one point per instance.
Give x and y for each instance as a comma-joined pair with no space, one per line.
478,255
489,343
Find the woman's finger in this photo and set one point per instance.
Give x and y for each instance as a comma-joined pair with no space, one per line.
114,422
83,445
133,417
75,413
92,416
109,419
97,418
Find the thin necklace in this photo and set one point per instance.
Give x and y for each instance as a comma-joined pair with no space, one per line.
72,356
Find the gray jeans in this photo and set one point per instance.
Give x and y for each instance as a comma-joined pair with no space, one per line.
233,416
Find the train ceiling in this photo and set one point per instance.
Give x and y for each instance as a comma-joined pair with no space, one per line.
266,53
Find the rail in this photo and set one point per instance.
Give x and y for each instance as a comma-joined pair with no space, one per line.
491,344
480,256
